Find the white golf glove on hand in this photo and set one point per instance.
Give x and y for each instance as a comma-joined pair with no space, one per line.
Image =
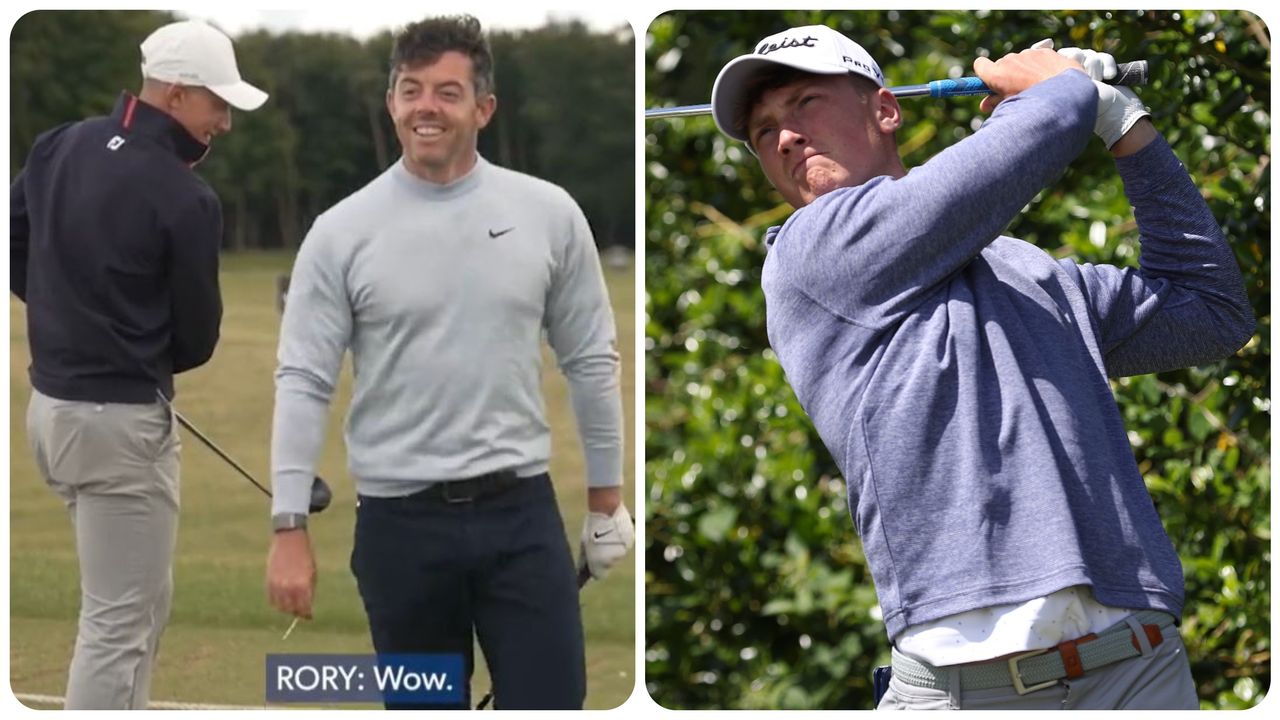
1118,107
605,540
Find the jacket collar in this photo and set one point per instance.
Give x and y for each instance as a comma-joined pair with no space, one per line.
137,117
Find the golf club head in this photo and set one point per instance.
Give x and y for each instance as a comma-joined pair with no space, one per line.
321,495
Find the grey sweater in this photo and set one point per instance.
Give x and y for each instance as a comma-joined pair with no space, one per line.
959,377
442,294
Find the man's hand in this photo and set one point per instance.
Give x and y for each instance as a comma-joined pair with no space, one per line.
1097,65
291,573
1119,108
605,540
1016,72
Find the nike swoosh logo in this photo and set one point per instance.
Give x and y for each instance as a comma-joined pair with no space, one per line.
500,233
599,535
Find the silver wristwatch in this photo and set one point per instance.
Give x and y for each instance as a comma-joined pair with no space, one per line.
288,521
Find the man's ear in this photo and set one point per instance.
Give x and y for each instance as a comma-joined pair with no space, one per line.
888,111
174,94
485,107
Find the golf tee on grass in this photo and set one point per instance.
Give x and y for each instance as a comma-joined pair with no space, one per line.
292,625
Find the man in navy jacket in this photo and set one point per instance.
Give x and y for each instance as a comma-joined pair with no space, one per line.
114,249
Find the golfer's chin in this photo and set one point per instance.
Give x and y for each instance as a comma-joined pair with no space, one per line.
427,152
822,180
437,165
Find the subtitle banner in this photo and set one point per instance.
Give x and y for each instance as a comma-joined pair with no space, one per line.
389,679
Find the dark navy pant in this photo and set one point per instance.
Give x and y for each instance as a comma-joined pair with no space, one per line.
431,573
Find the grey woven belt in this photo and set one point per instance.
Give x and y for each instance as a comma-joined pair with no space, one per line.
1039,669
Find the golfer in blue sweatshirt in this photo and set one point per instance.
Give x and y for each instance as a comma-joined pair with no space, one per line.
959,377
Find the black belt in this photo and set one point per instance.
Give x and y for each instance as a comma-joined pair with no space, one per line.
457,492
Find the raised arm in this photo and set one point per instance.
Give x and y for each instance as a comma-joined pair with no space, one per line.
1185,303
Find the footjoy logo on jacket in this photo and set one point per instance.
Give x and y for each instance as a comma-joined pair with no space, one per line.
114,143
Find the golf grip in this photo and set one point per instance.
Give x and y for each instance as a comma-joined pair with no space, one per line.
1131,74
1128,74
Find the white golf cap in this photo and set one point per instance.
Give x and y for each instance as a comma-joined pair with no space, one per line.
194,53
814,48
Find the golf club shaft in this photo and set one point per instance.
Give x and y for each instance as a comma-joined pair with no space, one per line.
218,451
1129,74
321,495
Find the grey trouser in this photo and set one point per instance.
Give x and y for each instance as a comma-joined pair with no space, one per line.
1159,679
116,468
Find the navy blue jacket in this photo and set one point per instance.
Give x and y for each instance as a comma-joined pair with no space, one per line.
113,246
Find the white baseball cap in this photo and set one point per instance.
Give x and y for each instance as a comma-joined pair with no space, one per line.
191,52
814,48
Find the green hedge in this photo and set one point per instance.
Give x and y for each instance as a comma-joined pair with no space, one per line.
757,592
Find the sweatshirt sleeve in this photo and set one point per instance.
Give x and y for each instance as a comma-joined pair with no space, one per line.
1185,303
870,254
314,335
195,237
581,332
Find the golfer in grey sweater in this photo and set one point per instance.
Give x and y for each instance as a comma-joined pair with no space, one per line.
959,377
440,277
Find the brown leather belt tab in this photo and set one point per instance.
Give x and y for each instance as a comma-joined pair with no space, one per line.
1154,636
1071,656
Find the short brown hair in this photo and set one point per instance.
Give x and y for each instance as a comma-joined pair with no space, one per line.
423,42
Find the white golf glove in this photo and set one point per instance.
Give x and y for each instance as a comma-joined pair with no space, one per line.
605,540
1118,107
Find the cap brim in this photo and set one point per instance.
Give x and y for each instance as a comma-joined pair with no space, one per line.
729,94
241,95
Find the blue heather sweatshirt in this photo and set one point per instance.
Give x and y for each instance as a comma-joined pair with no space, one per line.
959,377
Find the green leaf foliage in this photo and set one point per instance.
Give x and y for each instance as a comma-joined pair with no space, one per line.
758,595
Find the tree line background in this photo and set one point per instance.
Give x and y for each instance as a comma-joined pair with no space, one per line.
757,592
325,131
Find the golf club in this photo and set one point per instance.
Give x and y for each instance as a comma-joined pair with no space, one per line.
1128,74
321,495
584,574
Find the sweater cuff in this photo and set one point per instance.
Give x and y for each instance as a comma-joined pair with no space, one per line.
291,493
604,467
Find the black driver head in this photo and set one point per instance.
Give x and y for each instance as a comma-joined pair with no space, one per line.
321,495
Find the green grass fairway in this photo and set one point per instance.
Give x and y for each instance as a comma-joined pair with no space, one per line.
222,628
